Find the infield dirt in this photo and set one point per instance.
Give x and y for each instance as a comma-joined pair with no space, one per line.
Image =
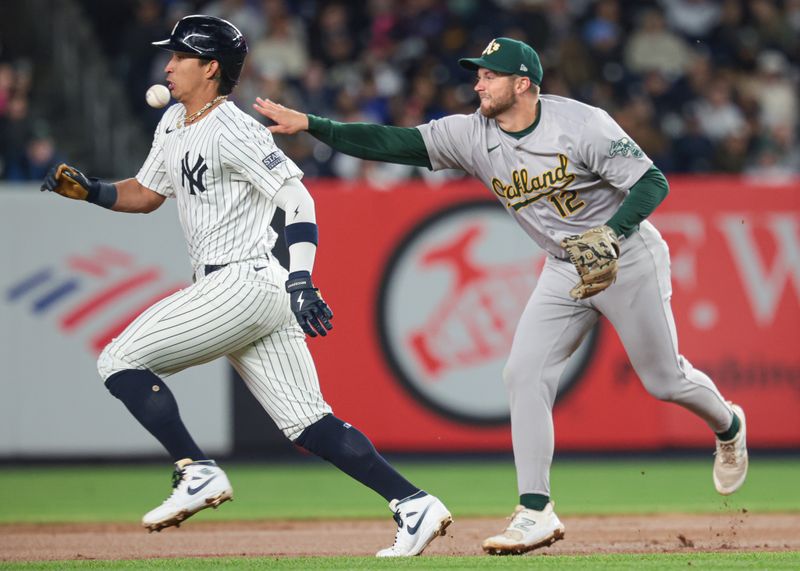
732,531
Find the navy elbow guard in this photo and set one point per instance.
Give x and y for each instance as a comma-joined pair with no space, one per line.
301,232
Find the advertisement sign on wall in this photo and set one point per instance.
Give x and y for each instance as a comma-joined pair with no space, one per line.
73,276
448,304
427,285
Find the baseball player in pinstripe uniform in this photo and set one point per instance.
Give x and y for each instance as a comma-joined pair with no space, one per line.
228,177
582,190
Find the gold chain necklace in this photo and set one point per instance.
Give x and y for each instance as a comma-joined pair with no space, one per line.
203,109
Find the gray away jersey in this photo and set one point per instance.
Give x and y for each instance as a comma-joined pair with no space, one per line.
223,171
571,173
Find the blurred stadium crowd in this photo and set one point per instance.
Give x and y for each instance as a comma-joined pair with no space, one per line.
701,85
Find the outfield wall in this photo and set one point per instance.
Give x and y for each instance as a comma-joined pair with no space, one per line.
72,276
426,285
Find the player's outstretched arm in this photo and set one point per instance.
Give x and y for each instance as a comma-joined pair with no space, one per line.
124,196
401,145
287,121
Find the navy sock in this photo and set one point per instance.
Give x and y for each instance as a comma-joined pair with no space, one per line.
348,449
153,405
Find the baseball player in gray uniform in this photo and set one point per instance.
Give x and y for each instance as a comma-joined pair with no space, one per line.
582,190
227,177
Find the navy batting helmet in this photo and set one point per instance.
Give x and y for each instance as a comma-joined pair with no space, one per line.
208,37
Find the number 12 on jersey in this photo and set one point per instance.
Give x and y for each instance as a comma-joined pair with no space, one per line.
566,202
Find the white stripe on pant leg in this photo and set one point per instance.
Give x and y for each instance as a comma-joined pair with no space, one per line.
211,318
280,372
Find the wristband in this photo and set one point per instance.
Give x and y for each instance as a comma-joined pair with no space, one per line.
299,280
102,193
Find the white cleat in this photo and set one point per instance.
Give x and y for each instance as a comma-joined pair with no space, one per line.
529,529
420,520
196,486
730,459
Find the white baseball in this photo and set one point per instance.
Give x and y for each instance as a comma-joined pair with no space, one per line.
157,96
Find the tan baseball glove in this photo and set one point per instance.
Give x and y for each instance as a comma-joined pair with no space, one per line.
68,181
594,254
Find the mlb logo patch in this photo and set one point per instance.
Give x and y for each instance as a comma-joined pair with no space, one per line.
273,159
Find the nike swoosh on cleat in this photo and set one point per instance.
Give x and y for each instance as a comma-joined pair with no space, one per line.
412,529
192,491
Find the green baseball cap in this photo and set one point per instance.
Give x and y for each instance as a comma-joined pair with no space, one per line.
508,56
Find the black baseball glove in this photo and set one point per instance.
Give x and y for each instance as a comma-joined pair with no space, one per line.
311,311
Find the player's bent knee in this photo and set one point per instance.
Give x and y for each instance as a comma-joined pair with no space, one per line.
518,377
294,431
109,363
512,376
664,391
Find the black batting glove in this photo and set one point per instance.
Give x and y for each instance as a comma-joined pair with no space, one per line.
50,183
311,311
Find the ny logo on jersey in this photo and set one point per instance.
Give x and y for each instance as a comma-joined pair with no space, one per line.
194,174
624,147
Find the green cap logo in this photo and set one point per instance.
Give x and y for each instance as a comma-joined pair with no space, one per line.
491,48
508,56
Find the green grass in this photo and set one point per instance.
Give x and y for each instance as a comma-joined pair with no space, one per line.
784,560
316,490
470,488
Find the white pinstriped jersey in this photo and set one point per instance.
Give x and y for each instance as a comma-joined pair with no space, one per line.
569,174
223,171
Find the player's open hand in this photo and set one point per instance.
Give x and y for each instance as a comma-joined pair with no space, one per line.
311,311
287,121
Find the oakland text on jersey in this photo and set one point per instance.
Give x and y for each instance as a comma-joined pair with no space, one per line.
543,184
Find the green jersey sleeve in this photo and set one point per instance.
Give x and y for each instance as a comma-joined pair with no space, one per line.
402,145
644,196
